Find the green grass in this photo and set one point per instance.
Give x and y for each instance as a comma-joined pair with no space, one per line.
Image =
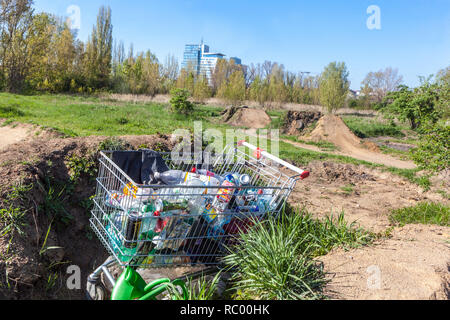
275,259
85,116
323,145
200,289
423,213
444,194
278,119
348,189
366,128
57,196
13,219
403,155
13,212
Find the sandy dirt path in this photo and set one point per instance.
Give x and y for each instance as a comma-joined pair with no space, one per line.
11,135
413,264
356,153
360,154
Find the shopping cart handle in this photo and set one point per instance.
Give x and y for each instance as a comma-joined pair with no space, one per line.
303,174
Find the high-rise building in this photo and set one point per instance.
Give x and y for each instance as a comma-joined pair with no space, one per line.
198,59
192,57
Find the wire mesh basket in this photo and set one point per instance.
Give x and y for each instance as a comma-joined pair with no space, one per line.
156,225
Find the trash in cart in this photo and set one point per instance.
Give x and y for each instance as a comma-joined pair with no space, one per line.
184,212
153,212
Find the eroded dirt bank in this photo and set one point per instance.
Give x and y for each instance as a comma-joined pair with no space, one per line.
55,204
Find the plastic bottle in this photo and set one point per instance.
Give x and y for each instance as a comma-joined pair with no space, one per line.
172,177
203,172
220,222
177,177
196,206
194,192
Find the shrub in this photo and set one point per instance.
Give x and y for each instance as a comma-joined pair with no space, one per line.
199,289
114,144
81,166
433,152
179,101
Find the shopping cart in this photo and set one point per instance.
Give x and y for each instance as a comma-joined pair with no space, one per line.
149,225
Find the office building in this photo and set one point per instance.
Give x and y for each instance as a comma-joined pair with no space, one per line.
198,59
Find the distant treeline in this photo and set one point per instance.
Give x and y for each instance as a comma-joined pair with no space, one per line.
40,53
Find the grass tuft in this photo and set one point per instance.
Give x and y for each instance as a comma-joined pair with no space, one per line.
423,213
275,259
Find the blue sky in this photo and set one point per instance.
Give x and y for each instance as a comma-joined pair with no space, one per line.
304,35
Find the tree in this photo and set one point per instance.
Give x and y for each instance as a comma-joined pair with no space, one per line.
334,86
99,50
170,71
202,90
233,89
259,91
53,69
223,70
378,84
418,106
179,101
16,18
278,91
443,77
150,74
433,152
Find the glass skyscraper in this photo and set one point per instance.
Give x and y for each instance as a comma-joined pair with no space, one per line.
198,59
192,56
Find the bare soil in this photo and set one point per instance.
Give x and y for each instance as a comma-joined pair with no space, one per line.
413,265
246,117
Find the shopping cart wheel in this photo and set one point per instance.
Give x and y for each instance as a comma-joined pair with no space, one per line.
96,291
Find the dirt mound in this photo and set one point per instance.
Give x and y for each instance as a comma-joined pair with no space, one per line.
345,173
296,122
331,128
413,264
246,117
26,272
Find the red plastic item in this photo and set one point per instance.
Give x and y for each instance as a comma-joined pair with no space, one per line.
161,224
304,175
258,153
